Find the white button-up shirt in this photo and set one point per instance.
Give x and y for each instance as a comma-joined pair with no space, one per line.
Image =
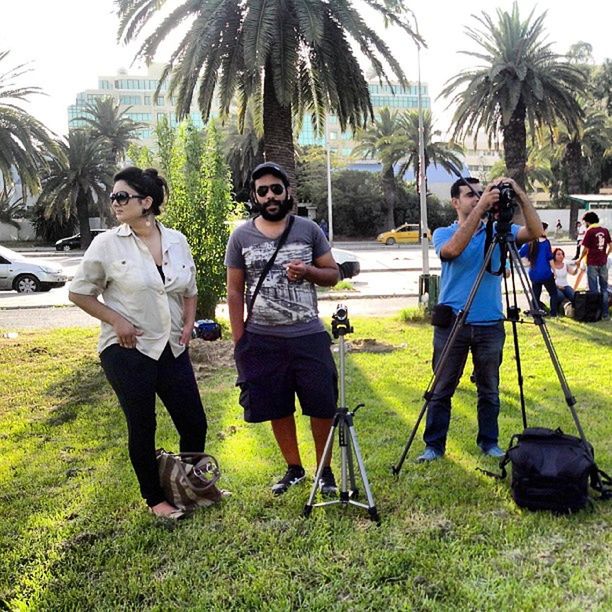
120,267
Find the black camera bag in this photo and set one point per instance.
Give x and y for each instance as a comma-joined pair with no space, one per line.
552,471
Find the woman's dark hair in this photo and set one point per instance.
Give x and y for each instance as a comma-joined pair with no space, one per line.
147,183
532,253
555,253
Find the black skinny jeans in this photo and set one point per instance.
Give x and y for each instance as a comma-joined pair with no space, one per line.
137,379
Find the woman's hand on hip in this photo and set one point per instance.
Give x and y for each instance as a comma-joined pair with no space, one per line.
126,333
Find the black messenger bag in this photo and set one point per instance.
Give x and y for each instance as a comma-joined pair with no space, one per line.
552,471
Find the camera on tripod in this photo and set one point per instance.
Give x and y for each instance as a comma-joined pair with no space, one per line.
206,329
506,205
340,321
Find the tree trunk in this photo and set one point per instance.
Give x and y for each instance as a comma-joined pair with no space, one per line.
515,145
278,130
390,192
572,160
82,205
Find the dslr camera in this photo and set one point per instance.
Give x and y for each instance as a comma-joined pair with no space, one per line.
206,329
506,205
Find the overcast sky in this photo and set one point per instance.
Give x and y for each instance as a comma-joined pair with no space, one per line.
70,42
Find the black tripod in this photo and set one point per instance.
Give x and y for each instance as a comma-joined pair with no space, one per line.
347,438
505,239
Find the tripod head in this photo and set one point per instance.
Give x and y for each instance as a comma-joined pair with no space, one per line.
340,322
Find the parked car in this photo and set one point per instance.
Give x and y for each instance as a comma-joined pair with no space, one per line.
408,233
348,262
27,274
74,242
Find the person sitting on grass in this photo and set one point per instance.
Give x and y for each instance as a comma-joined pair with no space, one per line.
561,269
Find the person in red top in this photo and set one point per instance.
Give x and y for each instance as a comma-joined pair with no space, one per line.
596,246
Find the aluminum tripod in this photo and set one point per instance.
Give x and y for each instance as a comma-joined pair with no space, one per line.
347,438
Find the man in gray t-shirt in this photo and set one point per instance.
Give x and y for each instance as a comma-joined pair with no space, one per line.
283,350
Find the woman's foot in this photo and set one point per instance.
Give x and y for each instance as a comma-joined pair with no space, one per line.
167,511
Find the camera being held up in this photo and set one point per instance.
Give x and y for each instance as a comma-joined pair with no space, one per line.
206,329
506,205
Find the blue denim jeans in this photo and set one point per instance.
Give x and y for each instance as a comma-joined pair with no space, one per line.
565,292
486,343
597,277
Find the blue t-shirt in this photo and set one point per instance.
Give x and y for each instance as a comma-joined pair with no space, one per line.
539,270
459,275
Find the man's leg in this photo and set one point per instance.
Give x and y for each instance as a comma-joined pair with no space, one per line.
602,272
592,278
487,351
286,438
320,433
438,411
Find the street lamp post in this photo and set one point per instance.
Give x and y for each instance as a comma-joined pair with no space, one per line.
428,285
330,221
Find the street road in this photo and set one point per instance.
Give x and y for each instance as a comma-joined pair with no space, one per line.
388,282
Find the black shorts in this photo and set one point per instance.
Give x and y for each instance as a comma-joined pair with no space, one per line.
273,370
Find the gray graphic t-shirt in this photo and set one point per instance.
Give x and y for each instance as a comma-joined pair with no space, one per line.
281,308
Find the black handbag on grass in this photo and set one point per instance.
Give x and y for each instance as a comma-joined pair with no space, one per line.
552,470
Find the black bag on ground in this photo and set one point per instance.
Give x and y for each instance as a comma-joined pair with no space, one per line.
552,471
587,306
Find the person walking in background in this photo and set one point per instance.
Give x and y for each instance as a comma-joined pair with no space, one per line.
596,246
324,228
146,276
560,270
580,232
282,349
558,229
539,253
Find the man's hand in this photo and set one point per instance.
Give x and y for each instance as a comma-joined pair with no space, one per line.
297,270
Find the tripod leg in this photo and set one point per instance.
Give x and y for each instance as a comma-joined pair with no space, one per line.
324,458
373,512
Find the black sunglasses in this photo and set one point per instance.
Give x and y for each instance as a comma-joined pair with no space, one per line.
276,189
121,197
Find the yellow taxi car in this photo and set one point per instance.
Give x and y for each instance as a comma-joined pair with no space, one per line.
408,233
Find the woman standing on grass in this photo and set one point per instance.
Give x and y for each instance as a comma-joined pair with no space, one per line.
146,276
561,269
539,254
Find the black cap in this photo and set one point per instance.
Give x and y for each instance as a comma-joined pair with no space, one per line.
269,168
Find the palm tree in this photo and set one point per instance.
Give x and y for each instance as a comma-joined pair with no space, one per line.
439,153
243,150
521,82
288,57
578,150
78,178
23,139
384,142
11,208
538,170
106,120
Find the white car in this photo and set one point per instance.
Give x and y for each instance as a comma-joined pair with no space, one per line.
27,274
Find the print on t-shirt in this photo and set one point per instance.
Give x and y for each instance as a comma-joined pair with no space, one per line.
279,302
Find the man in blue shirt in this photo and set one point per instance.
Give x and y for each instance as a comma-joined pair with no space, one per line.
461,248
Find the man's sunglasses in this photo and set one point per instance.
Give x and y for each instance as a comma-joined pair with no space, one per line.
276,189
121,197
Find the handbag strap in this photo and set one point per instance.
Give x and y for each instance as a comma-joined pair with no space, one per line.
264,272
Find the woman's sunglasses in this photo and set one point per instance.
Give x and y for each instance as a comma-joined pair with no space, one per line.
121,197
276,189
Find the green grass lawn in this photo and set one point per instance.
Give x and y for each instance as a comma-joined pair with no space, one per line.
74,534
